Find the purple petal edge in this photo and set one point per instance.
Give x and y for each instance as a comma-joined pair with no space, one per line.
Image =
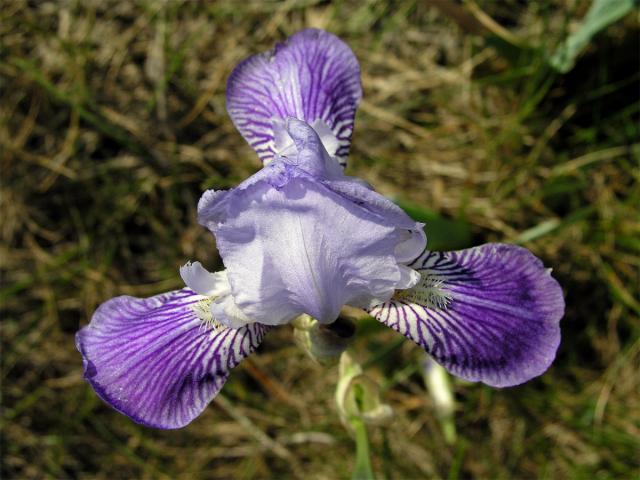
499,323
155,361
311,76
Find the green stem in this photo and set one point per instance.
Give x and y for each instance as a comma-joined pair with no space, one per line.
363,469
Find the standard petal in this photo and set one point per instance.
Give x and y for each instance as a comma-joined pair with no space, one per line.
361,194
488,314
313,76
310,160
155,361
214,204
305,249
365,197
310,154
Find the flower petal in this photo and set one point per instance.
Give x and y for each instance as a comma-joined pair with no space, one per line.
313,76
361,194
226,312
203,282
310,160
304,249
301,237
155,361
310,154
489,313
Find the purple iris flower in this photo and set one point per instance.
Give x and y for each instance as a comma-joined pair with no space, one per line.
300,237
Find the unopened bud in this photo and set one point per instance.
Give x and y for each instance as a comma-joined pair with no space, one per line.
358,396
440,389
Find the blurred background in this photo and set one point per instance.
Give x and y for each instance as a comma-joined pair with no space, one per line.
509,121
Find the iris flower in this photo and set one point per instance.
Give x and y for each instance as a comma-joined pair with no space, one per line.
300,237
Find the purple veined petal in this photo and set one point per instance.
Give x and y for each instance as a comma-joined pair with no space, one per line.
313,76
489,313
156,361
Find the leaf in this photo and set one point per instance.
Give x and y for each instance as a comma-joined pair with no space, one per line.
601,14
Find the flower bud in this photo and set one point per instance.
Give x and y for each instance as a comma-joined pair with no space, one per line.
439,387
358,396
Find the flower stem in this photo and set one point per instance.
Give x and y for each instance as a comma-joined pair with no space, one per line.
363,469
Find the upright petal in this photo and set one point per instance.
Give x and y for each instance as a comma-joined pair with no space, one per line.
313,76
304,249
301,237
360,194
310,153
155,361
310,161
489,313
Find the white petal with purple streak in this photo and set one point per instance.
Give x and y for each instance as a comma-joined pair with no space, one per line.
156,361
489,313
313,76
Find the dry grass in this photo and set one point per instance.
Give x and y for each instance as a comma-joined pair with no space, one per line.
113,122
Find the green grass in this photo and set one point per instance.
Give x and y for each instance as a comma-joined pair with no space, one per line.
112,123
